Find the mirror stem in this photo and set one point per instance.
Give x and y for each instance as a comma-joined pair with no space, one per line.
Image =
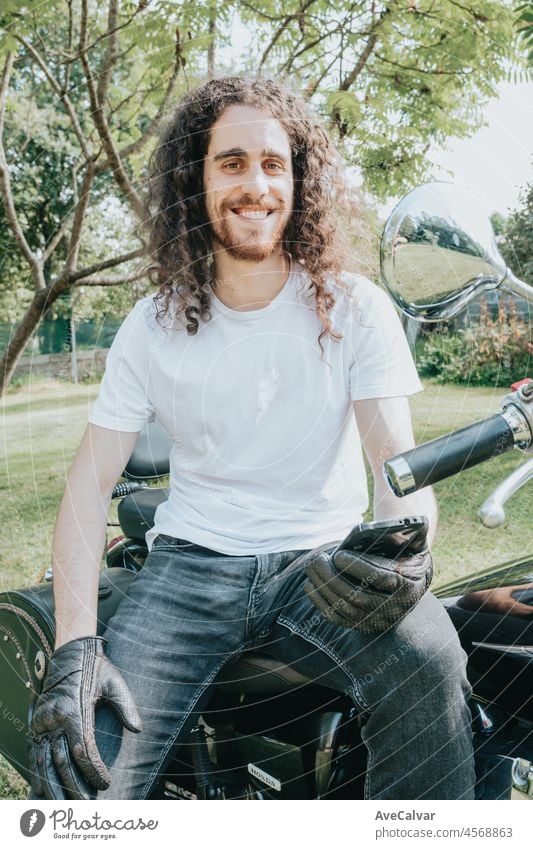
512,284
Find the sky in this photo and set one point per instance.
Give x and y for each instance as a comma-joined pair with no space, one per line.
498,160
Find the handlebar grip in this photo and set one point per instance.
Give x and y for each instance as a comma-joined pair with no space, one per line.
432,461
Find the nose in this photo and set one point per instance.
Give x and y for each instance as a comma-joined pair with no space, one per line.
256,182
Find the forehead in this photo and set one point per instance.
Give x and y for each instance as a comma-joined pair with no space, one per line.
248,128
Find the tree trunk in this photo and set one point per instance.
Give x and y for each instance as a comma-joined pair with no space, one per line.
212,29
43,299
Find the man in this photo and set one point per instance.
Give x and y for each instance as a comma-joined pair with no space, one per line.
268,367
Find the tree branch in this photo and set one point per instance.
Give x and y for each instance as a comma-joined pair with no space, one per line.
277,35
110,56
350,78
259,13
478,16
63,96
143,92
211,28
295,16
311,89
36,266
66,79
142,5
437,72
136,146
112,281
79,215
80,274
100,122
309,46
56,238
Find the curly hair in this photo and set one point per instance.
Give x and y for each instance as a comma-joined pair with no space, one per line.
179,239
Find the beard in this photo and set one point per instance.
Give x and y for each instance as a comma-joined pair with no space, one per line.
255,248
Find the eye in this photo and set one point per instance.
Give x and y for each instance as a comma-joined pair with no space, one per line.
274,166
232,166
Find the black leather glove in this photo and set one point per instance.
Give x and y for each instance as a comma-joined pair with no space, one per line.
65,761
371,590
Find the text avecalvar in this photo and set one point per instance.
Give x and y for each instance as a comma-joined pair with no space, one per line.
404,815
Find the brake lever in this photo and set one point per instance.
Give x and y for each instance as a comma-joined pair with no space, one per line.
491,512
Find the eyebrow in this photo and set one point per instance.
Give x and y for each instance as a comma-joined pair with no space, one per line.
240,152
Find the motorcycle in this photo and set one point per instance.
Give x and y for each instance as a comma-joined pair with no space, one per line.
314,748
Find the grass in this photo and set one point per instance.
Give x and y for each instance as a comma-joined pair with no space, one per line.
43,422
463,545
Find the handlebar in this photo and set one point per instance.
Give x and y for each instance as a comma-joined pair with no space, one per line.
432,461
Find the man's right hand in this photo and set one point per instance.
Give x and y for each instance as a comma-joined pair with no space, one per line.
65,760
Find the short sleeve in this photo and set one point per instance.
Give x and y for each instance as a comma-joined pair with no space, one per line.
123,401
381,363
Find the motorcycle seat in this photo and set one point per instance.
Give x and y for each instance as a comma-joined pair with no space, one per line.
150,456
257,673
136,512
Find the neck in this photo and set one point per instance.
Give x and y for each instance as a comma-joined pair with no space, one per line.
242,285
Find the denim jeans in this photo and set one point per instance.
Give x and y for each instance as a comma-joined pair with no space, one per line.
191,610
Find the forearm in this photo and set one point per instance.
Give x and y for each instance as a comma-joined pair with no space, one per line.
77,547
389,506
80,532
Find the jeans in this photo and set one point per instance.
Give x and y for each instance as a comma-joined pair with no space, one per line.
190,610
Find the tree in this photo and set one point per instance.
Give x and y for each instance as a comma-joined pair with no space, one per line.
83,90
525,26
86,84
517,243
498,222
391,77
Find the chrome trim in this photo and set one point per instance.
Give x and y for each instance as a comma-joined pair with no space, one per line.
519,423
518,287
517,408
517,651
483,720
399,476
492,512
522,774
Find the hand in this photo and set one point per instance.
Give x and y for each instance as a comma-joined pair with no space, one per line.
65,760
374,589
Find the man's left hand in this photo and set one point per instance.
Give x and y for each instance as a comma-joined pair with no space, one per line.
370,591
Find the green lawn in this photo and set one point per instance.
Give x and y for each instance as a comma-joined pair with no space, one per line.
43,422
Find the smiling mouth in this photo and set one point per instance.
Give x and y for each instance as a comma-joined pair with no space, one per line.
253,214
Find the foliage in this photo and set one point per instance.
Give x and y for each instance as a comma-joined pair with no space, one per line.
86,85
517,243
391,78
497,351
525,26
81,99
498,222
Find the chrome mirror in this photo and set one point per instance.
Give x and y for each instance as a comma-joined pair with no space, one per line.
438,251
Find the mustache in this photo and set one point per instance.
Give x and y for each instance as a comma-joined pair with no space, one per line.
243,202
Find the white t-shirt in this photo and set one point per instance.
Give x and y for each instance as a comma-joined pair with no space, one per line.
266,454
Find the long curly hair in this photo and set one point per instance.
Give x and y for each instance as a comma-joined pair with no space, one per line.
179,238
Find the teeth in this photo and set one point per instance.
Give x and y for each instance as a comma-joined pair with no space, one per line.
262,213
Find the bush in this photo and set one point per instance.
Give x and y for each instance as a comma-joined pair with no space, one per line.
496,351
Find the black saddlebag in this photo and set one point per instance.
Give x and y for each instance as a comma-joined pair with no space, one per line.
26,643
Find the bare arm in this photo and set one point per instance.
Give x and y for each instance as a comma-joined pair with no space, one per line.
386,429
79,536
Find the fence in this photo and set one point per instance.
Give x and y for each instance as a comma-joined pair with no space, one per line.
63,349
66,366
60,335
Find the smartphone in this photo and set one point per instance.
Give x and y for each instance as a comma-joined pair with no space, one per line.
387,538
